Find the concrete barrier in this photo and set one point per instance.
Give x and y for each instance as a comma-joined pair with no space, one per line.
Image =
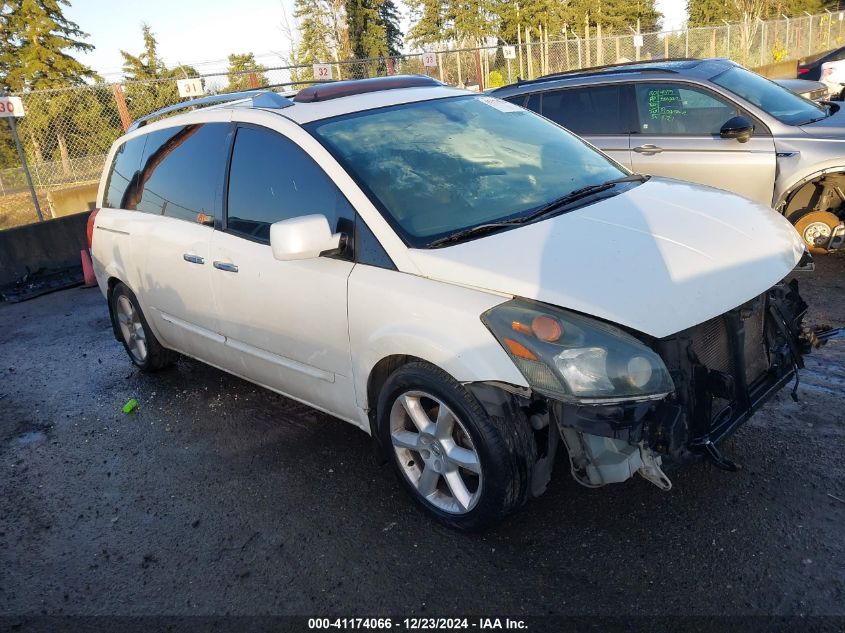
72,200
51,244
787,69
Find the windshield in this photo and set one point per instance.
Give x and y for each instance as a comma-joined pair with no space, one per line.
442,166
787,107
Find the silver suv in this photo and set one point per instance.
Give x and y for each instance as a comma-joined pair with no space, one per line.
711,122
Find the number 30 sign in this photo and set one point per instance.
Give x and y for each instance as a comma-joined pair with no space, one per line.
11,106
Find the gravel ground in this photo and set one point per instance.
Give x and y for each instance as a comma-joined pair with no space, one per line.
218,497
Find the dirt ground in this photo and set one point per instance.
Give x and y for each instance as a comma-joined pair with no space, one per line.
17,209
218,497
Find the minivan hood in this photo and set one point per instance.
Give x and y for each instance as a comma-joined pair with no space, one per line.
658,258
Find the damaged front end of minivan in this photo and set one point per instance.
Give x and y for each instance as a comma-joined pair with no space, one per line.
626,404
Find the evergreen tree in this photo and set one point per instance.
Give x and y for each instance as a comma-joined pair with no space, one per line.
367,33
144,94
315,31
711,12
240,68
36,56
390,18
37,44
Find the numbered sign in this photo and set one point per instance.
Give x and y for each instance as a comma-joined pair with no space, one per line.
11,106
190,87
509,52
322,71
429,60
638,41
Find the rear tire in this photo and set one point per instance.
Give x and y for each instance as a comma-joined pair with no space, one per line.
138,339
467,468
815,228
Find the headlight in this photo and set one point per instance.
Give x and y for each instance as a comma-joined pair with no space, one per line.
570,357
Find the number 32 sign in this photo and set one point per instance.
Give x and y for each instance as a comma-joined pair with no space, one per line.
322,71
11,106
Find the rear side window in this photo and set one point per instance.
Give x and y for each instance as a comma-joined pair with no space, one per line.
597,110
272,179
124,169
182,171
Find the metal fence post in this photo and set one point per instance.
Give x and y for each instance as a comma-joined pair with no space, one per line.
810,35
22,158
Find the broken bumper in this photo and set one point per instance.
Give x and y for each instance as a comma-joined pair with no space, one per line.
724,370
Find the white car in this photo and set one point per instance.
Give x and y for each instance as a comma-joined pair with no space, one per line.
833,76
455,275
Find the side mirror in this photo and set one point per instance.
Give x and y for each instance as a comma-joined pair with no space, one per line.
305,237
739,128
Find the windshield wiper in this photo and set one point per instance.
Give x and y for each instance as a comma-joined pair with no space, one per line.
578,194
546,209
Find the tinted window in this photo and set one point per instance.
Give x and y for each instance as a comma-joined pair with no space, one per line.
272,179
598,110
784,105
124,168
679,110
182,172
534,103
518,99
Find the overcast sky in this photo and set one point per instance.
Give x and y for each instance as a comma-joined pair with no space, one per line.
203,32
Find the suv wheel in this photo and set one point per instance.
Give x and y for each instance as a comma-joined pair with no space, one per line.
140,343
467,468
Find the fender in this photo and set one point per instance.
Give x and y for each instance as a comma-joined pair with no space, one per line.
392,313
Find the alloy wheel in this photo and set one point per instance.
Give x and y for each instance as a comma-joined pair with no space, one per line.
131,328
435,452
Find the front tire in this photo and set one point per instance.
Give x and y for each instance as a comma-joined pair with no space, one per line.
135,333
467,468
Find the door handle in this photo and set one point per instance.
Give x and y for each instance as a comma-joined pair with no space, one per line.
193,259
648,150
229,268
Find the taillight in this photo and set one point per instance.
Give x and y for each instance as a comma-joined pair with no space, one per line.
801,71
90,231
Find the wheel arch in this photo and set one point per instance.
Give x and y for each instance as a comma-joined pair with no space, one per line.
794,188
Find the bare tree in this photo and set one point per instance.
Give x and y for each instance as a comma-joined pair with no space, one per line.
751,12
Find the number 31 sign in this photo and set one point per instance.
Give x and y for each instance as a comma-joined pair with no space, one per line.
11,106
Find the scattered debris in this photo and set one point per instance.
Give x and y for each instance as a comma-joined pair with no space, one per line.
40,282
130,406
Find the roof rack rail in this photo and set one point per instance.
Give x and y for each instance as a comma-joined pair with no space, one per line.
624,67
259,98
337,89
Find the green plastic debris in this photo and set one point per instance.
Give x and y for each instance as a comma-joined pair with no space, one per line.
130,406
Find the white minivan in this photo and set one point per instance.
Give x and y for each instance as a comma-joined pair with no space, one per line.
457,276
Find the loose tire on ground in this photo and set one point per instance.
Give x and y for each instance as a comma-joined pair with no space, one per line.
138,339
815,228
467,468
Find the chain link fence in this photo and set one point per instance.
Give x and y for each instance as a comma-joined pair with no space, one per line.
66,133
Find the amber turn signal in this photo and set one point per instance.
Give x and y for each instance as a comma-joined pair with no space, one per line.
519,326
519,350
